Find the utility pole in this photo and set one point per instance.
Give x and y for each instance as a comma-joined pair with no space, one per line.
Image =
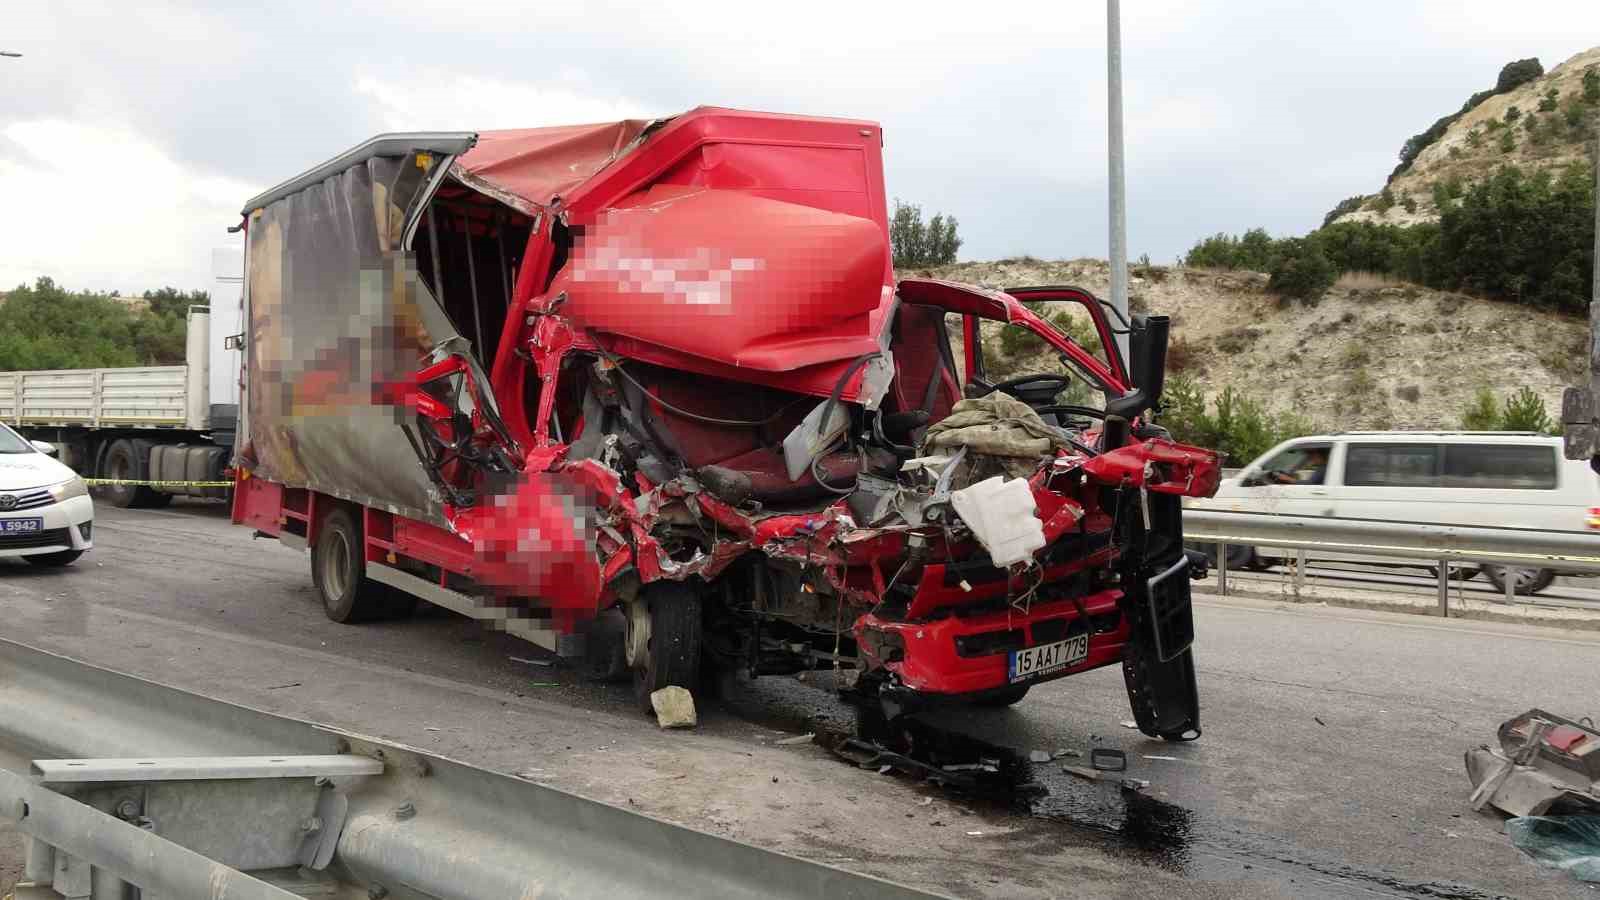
1117,188
1579,424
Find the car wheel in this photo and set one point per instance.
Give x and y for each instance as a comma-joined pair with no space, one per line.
54,560
1524,580
339,570
668,653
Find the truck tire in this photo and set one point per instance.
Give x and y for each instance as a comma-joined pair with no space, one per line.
124,461
671,651
339,570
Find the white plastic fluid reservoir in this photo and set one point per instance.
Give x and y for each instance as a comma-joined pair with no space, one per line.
1002,515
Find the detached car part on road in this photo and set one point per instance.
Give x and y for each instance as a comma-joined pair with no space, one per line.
46,516
665,367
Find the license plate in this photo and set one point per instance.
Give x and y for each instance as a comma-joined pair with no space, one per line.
21,526
1046,658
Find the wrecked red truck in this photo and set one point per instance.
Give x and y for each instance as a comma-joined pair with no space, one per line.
657,380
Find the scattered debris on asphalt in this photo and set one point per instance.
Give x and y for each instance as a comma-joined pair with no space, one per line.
1163,758
1128,723
1039,756
531,662
1108,759
1544,765
674,707
806,738
1066,752
1318,720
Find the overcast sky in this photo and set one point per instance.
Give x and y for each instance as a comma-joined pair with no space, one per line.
130,139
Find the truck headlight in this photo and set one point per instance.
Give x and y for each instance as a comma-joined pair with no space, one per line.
66,490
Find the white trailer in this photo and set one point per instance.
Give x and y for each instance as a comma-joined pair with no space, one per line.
172,425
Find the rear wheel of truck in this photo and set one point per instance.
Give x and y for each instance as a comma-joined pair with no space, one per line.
339,570
124,462
664,628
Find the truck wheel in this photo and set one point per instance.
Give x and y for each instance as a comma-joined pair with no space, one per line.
664,639
1524,580
1006,696
339,570
122,463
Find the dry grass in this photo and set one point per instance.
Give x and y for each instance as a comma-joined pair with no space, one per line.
1365,281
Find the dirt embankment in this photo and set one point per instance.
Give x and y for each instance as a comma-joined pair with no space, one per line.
1370,354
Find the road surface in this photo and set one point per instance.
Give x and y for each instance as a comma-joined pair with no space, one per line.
1331,764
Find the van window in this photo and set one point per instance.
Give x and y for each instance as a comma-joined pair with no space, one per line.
1391,465
1300,464
1528,467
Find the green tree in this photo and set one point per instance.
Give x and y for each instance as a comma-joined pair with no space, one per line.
1518,73
1524,411
1303,271
915,243
1482,414
44,326
1347,205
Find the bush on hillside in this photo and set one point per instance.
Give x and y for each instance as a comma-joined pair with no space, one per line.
1254,251
46,326
1591,84
1524,238
1518,73
1302,271
1482,414
1347,205
914,243
1524,411
1240,427
1550,100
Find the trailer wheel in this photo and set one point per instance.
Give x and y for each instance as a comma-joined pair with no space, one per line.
664,630
123,464
339,570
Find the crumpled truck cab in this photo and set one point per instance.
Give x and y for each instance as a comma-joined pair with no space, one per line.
656,384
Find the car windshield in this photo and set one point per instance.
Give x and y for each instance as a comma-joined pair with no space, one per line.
11,442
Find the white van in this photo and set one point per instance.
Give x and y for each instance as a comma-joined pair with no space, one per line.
1511,479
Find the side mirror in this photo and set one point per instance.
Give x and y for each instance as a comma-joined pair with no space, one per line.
1147,366
45,447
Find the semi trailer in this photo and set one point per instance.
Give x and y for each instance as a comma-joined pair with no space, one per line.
661,374
151,432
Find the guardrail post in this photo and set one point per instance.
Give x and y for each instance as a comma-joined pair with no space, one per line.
1299,570
1444,588
39,865
1508,575
1222,568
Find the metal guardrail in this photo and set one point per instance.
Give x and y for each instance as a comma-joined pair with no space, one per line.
1443,545
183,796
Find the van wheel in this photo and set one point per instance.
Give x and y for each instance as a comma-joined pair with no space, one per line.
339,570
123,464
664,639
1524,580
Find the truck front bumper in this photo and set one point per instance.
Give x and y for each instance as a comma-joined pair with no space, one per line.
966,654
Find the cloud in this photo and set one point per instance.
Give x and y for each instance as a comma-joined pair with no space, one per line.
106,209
433,100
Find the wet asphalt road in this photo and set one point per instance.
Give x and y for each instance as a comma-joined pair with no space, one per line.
1331,763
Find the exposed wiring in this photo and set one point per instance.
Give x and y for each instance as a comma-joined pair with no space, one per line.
710,420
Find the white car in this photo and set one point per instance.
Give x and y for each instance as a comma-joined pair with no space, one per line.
46,515
1453,478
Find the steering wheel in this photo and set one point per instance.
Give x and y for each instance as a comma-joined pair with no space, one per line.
1030,384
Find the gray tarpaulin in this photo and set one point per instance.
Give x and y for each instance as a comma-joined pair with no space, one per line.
335,311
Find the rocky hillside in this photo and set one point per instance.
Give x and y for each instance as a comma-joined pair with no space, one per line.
1370,355
1546,131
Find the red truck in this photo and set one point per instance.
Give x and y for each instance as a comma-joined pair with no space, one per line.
665,368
